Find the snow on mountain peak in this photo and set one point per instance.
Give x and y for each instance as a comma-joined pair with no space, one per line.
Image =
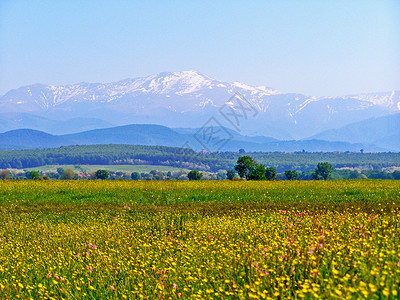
391,100
185,82
259,90
181,92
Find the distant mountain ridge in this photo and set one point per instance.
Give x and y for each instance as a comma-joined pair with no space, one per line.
12,121
152,135
189,99
383,131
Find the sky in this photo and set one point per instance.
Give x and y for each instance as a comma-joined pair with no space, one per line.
318,48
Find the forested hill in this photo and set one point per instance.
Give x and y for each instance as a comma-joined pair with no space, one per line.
185,158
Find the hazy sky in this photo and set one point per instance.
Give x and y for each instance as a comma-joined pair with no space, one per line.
312,47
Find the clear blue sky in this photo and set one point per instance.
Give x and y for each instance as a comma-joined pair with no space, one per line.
312,47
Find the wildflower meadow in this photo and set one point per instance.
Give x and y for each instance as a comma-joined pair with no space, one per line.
200,240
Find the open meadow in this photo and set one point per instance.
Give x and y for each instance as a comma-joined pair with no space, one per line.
206,239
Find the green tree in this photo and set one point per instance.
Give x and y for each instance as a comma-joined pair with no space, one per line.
244,166
270,173
195,175
221,176
102,174
33,175
291,174
257,173
396,175
323,171
135,176
60,170
67,174
354,175
230,174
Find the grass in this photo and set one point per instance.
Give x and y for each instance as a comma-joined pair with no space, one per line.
274,195
214,239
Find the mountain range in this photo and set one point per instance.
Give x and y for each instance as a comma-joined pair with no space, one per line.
189,99
140,134
12,121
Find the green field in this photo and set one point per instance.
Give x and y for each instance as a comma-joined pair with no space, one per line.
111,168
200,240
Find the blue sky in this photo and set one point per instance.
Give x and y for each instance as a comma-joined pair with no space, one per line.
312,47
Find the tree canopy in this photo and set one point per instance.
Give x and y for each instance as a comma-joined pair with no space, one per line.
270,173
244,166
67,174
323,171
291,174
102,174
195,175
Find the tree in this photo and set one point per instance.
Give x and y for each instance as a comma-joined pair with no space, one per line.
242,151
135,176
102,174
291,174
67,174
323,171
4,174
195,175
257,173
354,175
396,175
221,176
33,175
60,170
270,173
230,174
244,166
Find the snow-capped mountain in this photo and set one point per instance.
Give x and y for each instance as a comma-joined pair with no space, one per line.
198,88
189,99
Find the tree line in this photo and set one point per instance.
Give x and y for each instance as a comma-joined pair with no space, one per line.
270,174
189,159
249,169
